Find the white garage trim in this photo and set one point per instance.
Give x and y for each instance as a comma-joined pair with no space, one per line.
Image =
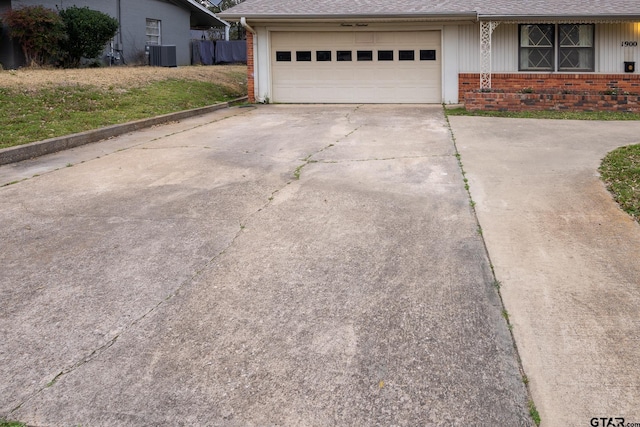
351,66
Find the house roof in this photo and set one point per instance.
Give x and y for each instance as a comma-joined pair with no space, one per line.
200,15
398,9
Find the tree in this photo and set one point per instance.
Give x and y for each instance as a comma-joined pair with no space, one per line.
225,4
38,30
88,31
236,32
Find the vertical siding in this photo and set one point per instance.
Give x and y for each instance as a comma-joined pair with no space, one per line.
469,48
610,55
504,50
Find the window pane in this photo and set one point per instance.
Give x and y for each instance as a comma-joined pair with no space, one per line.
343,55
576,35
365,55
303,56
427,55
406,55
536,59
385,55
283,56
323,55
574,59
538,35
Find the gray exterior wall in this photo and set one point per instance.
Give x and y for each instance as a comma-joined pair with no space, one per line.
175,27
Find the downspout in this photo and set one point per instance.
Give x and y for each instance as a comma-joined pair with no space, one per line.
243,22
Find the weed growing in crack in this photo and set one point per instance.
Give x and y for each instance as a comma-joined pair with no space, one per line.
534,413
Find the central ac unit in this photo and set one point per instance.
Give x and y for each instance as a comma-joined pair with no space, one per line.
162,56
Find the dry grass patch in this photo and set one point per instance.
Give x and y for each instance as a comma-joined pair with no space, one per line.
116,77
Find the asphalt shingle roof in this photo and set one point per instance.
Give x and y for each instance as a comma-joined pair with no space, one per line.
381,8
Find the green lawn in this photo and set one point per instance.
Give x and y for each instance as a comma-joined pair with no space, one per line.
33,115
620,170
558,115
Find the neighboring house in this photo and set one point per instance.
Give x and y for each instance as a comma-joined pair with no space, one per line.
418,51
142,23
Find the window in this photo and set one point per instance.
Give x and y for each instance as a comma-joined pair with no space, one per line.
343,55
153,31
323,55
406,55
283,56
427,55
536,47
385,55
550,47
365,55
576,48
303,56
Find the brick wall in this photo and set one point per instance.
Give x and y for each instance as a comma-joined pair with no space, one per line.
250,69
494,101
514,82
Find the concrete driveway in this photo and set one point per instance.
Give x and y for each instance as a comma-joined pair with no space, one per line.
279,265
567,257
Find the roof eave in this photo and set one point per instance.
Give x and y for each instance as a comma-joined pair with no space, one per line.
201,16
564,18
350,18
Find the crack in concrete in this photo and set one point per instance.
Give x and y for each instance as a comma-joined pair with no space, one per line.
104,347
496,282
242,224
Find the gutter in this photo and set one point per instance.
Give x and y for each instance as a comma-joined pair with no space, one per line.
371,16
565,18
243,22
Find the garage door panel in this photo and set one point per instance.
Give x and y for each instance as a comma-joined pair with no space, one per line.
394,81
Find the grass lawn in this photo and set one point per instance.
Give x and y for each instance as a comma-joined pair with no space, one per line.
30,114
620,169
558,115
4,423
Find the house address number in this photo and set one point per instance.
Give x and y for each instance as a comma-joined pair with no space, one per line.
629,44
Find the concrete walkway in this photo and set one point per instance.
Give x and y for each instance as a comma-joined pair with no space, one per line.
283,265
567,257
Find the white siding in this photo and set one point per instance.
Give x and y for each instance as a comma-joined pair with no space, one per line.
610,55
469,48
504,49
450,64
504,52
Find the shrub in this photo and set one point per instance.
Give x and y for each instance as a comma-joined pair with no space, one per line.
38,30
88,31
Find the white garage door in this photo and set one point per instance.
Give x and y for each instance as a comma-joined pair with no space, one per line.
356,67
